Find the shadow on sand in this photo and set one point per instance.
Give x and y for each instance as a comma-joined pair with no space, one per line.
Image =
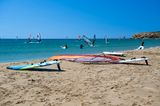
43,70
118,64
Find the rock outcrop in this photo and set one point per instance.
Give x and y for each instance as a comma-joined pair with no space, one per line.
152,35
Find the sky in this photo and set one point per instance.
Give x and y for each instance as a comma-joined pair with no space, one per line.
70,18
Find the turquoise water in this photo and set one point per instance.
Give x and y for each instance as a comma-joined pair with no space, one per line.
17,50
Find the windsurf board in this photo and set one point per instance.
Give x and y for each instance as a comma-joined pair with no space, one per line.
30,66
114,53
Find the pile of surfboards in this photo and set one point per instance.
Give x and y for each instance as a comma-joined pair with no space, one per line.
107,57
97,59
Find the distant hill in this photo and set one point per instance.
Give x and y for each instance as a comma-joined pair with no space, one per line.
147,35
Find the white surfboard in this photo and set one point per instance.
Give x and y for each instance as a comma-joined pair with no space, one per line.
114,53
134,60
63,47
140,48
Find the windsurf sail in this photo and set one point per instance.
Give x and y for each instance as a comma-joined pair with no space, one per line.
39,37
88,41
94,39
79,37
97,59
32,40
29,39
86,58
106,39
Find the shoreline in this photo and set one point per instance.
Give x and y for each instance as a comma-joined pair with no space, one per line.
41,59
84,84
140,50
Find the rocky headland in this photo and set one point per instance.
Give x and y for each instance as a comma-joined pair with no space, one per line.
152,35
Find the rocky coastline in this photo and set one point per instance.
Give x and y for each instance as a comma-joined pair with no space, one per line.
152,35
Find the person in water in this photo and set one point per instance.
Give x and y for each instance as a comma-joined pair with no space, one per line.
65,46
94,39
39,37
81,46
141,47
29,38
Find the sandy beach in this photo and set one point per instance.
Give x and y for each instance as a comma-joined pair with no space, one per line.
84,84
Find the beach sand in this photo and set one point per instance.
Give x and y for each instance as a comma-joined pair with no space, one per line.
84,84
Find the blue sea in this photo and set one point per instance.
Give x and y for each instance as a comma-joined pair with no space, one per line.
12,50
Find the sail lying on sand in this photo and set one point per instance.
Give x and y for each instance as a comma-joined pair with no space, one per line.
97,59
86,58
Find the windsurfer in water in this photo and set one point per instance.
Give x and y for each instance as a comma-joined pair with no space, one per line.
94,39
64,47
81,46
79,37
141,47
39,37
88,41
29,38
